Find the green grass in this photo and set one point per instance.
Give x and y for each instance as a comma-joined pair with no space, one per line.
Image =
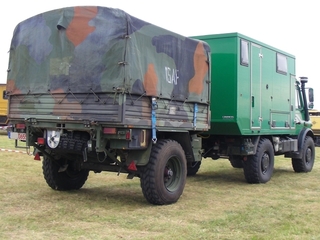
216,204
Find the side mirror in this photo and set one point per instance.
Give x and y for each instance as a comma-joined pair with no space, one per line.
310,93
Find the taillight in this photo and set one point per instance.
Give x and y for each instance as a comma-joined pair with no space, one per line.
40,141
20,126
128,135
109,130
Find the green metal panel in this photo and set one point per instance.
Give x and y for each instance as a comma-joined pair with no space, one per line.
252,99
224,82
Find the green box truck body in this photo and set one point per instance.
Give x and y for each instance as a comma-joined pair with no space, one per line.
250,97
95,89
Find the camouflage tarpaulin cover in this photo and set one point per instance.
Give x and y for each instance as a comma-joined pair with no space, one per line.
99,49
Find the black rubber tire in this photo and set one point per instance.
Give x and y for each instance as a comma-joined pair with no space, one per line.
193,168
236,161
69,179
163,178
305,164
259,167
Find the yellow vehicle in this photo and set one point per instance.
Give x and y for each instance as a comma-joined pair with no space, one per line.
3,105
315,119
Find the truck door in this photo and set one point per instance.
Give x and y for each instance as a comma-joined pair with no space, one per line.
256,61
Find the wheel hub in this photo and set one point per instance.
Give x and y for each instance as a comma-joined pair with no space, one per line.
308,155
168,173
265,162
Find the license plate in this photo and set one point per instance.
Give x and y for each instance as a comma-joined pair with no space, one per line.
18,136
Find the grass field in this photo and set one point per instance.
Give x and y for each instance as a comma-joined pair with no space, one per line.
216,204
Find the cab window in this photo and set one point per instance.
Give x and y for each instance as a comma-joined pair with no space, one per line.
298,98
4,95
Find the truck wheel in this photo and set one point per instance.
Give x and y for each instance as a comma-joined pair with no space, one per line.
70,179
259,167
163,178
236,161
193,168
305,164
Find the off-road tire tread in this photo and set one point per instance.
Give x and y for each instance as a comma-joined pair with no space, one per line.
251,167
61,181
236,161
299,165
147,178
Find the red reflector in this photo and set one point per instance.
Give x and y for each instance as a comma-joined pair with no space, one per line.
109,130
20,126
40,141
37,157
128,135
132,166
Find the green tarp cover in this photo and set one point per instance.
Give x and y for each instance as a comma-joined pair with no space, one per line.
99,49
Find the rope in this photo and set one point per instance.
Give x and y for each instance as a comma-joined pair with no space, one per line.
9,150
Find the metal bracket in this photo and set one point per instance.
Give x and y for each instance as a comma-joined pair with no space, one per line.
154,120
195,110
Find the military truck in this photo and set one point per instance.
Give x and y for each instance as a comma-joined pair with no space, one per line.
96,89
3,105
315,119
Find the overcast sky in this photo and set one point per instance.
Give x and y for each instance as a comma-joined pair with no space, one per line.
289,25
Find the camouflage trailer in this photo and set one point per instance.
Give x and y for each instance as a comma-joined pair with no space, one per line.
95,89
